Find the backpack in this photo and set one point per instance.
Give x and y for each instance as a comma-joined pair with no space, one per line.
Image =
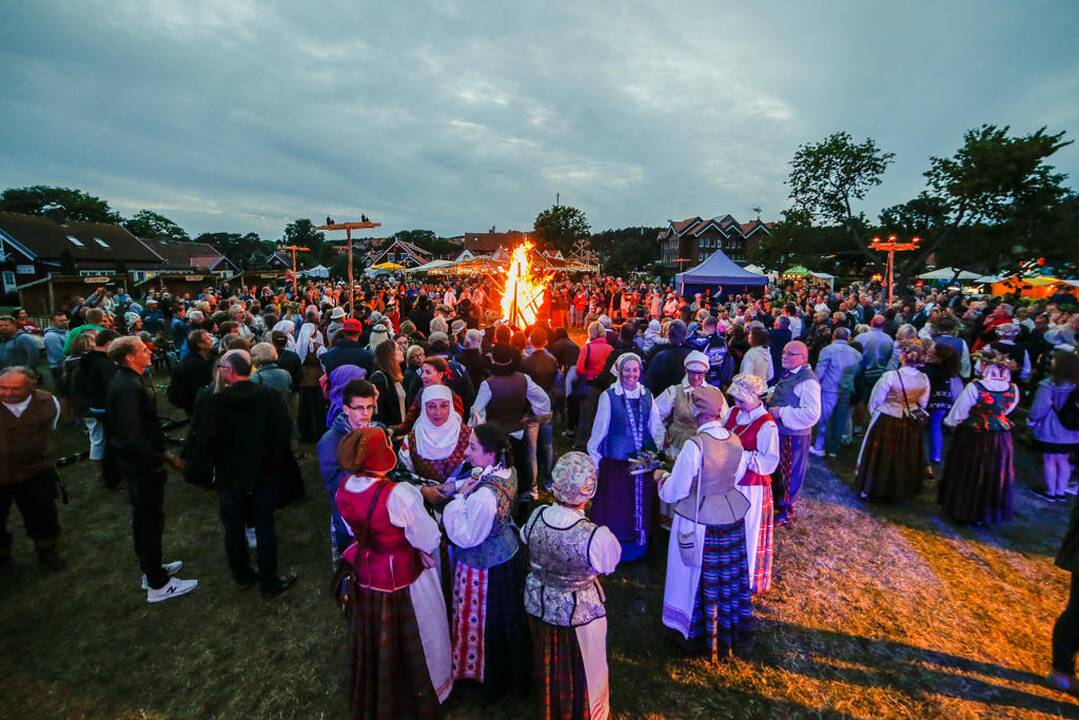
1068,414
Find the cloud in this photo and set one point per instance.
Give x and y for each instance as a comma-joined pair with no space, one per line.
242,115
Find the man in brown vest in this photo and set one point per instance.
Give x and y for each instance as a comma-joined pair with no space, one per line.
28,465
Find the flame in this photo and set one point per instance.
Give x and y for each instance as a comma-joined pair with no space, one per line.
524,287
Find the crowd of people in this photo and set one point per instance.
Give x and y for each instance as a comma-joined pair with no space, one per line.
436,425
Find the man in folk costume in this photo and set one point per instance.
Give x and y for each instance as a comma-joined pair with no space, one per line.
706,596
757,431
399,642
563,597
795,405
675,405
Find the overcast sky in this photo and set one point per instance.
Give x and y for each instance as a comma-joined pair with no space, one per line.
237,115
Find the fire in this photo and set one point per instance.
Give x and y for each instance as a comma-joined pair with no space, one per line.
522,295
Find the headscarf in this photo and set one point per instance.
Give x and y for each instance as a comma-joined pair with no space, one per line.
651,335
340,377
305,344
622,359
573,478
745,386
379,334
289,328
436,442
696,357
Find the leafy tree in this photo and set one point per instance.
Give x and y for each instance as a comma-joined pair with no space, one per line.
243,250
626,250
559,227
997,180
79,205
148,224
427,240
828,178
302,233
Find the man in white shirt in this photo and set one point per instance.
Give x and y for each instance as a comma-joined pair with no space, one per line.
796,407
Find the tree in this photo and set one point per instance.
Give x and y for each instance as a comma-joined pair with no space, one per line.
426,240
244,250
78,205
829,177
148,224
302,233
633,249
559,227
997,180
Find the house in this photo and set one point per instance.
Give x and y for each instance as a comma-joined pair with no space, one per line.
194,255
33,247
689,242
488,243
280,260
401,252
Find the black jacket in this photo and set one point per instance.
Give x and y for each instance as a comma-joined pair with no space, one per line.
193,372
246,435
134,429
476,363
289,360
347,352
665,368
90,381
388,411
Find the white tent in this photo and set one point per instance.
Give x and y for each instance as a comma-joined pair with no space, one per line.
949,273
433,265
824,276
319,271
988,279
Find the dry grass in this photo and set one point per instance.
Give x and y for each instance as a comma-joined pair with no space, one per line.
879,612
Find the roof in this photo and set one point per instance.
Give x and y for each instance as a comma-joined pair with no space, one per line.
190,254
489,242
43,239
413,251
725,224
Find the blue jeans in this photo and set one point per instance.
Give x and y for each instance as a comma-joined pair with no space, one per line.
545,453
936,433
827,408
834,414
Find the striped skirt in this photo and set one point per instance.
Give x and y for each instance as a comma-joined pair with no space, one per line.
723,608
489,632
388,675
560,673
760,536
627,504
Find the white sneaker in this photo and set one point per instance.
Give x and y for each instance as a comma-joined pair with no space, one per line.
815,452
252,538
175,587
171,568
1072,489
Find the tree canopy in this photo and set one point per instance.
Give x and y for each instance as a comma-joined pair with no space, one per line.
147,224
249,251
560,226
78,205
627,249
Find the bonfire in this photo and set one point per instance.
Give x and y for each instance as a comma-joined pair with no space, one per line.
522,294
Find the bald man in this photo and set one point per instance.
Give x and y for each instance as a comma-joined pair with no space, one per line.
796,407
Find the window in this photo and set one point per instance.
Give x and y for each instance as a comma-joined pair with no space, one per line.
101,242
75,241
138,275
9,281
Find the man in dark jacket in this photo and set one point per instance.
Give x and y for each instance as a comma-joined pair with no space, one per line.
248,464
89,385
542,367
665,368
472,358
347,349
135,438
194,371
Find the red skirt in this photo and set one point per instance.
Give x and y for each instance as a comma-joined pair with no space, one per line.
559,671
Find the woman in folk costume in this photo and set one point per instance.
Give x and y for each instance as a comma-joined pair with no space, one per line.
437,444
892,462
757,432
563,597
626,424
976,485
706,596
312,416
399,642
490,636
675,405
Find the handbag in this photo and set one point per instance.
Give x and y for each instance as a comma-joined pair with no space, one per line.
916,413
687,541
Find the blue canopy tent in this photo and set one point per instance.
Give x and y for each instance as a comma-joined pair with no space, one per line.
718,270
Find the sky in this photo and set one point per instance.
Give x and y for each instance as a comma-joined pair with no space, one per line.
240,116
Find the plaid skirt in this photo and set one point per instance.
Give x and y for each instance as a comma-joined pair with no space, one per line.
627,504
489,631
388,676
560,672
976,485
892,461
723,608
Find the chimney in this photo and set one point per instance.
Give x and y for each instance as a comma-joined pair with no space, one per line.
55,212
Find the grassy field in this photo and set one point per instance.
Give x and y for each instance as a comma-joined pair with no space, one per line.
883,611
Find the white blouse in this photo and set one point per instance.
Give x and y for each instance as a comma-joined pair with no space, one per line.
887,395
406,511
604,551
602,422
969,398
468,519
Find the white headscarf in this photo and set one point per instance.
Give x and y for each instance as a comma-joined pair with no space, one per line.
651,335
289,328
436,442
306,343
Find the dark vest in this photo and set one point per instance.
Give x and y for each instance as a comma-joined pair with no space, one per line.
501,545
509,401
784,397
26,441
